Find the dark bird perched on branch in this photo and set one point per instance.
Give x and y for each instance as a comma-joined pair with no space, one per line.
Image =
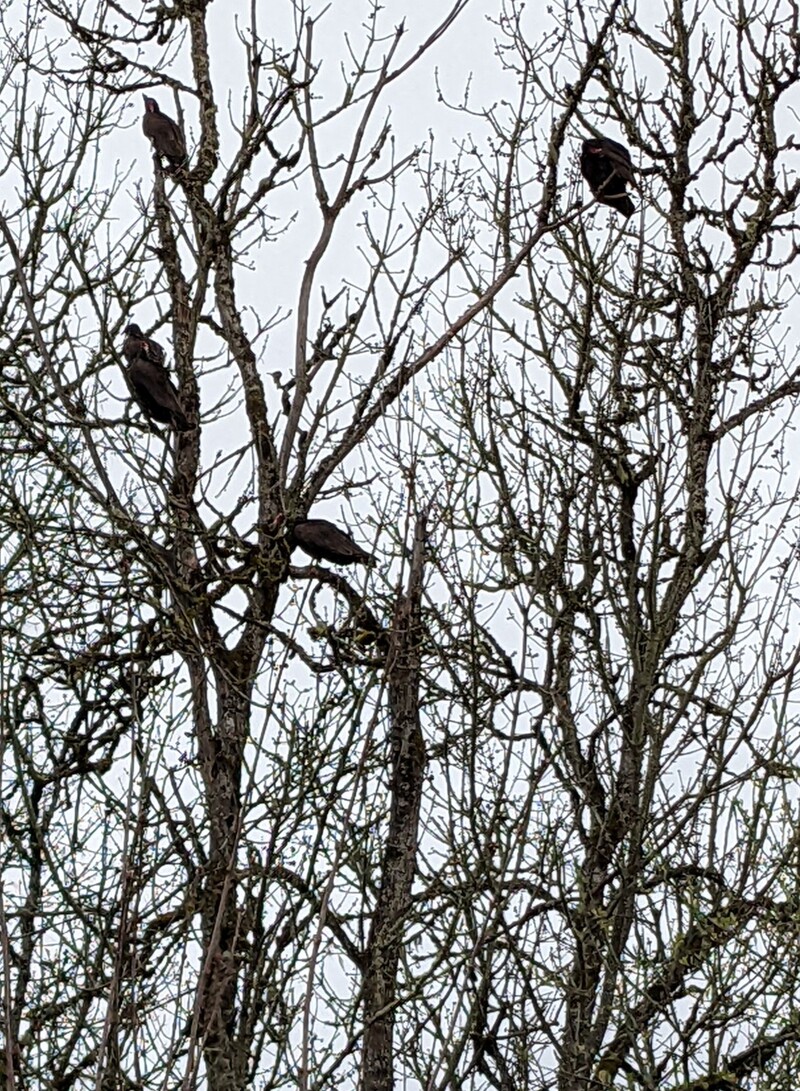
324,541
156,395
606,166
137,345
150,383
164,133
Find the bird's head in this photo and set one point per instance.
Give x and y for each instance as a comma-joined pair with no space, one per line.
277,527
133,330
150,105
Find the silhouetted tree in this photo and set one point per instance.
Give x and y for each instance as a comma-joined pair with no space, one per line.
514,807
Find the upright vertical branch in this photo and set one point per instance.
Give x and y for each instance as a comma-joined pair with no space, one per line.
407,748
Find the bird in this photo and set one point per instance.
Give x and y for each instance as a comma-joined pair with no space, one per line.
322,540
149,381
156,394
137,345
607,167
165,134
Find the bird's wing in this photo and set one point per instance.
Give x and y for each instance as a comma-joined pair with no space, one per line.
165,135
151,380
620,158
345,545
176,138
153,351
166,392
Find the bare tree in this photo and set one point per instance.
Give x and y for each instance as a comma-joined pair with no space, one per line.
630,749
515,809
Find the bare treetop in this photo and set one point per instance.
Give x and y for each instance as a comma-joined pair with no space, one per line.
514,809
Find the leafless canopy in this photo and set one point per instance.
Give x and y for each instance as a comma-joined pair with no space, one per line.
516,807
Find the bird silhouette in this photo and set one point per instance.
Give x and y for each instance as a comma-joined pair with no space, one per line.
322,540
164,133
606,165
137,345
151,385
